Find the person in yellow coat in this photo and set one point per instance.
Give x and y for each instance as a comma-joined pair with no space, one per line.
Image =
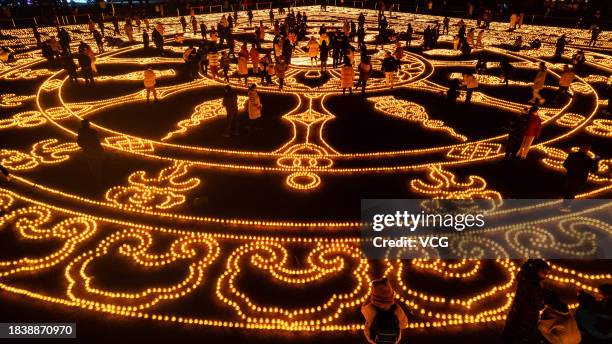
254,54
243,63
348,77
313,50
254,107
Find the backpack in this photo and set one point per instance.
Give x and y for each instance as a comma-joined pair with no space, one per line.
385,326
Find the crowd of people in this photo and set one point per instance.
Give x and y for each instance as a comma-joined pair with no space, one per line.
216,54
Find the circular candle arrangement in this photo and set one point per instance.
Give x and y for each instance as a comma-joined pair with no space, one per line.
159,221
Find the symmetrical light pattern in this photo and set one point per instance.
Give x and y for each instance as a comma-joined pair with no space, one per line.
169,245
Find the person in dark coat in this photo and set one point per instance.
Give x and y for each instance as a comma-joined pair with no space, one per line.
115,21
516,132
89,142
287,51
230,102
323,54
522,320
183,23
145,39
101,25
85,64
578,165
158,40
453,91
409,32
231,44
36,34
70,67
203,30
98,38
47,53
64,39
560,47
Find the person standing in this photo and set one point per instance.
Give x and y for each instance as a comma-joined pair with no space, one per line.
445,25
409,32
560,47
129,31
158,40
70,67
243,63
85,64
287,50
203,29
194,24
479,39
365,69
389,67
101,24
265,62
98,38
36,34
145,39
183,23
225,66
230,102
565,81
522,320
323,54
55,47
254,55
595,31
470,83
64,40
213,62
533,130
115,21
280,69
348,77
313,50
149,83
578,60
578,166
250,16
254,107
231,45
516,132
538,84
453,91
89,142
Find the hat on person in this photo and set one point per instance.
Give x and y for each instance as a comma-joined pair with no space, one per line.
382,293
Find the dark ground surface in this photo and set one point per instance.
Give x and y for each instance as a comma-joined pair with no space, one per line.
356,129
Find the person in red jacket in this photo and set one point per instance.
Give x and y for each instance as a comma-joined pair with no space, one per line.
534,127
